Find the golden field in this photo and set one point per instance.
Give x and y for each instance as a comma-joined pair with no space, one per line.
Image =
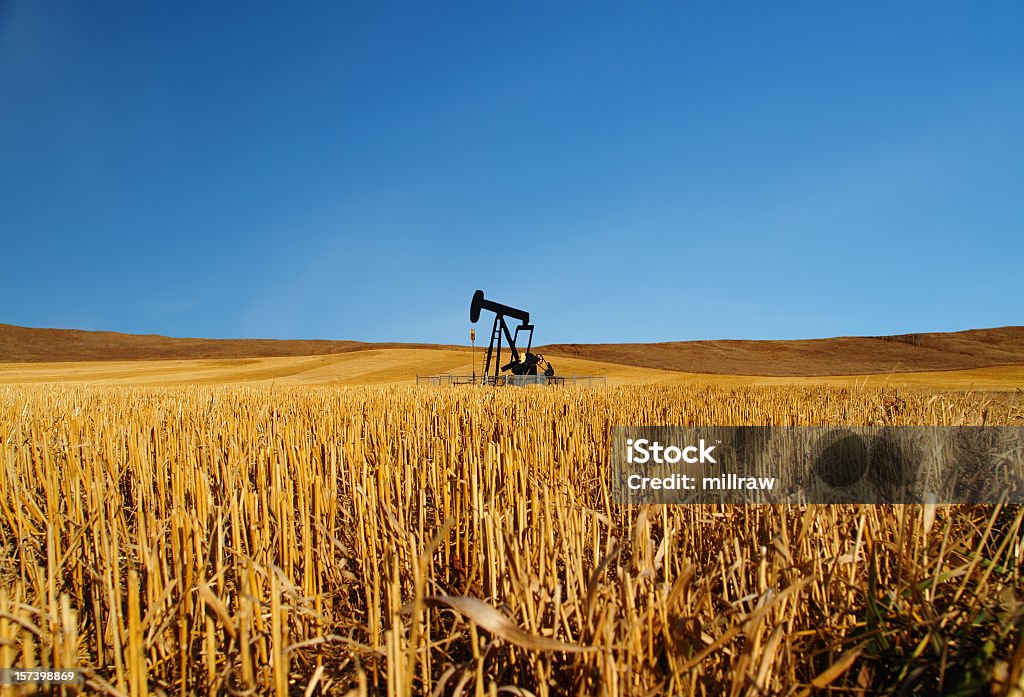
394,540
395,366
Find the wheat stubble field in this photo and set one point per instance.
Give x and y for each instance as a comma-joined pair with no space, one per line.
401,540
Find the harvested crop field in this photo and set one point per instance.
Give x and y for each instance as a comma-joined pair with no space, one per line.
401,367
403,540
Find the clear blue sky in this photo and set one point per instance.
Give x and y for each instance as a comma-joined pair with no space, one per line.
625,171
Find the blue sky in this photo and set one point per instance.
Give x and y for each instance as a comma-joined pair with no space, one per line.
625,171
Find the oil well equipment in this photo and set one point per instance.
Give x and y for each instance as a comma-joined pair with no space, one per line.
523,368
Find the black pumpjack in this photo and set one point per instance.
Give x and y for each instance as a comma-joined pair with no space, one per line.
528,364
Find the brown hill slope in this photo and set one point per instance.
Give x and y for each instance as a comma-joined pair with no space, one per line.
976,348
33,345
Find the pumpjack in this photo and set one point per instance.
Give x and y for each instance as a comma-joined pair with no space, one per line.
527,364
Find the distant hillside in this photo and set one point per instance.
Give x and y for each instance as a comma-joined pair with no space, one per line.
32,345
975,348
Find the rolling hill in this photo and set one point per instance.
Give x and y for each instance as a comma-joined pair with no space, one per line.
842,356
37,345
976,348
